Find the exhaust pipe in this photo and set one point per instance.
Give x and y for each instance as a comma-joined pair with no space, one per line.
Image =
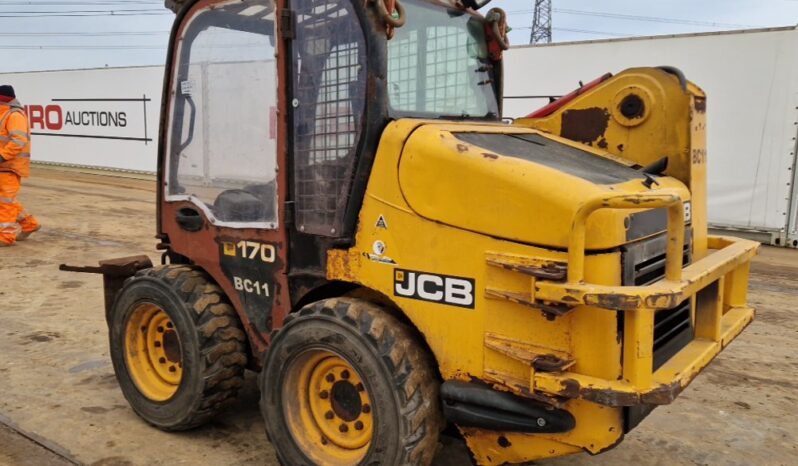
476,405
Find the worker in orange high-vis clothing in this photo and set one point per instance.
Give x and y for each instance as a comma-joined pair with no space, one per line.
15,223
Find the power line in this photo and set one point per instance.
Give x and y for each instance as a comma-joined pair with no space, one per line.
82,47
81,34
583,31
588,31
82,15
84,3
145,10
72,2
656,19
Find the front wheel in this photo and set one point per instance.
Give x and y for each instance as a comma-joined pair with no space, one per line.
344,383
177,346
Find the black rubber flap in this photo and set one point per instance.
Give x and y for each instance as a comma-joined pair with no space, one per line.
476,405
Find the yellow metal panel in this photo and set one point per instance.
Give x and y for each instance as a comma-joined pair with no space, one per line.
672,124
456,335
638,338
594,119
708,311
698,170
404,239
445,179
735,289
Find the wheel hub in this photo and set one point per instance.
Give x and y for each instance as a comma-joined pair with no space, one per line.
332,416
171,346
153,353
346,402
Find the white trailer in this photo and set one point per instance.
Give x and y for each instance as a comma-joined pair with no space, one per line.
99,118
751,81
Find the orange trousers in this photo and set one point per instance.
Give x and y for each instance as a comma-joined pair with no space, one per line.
13,217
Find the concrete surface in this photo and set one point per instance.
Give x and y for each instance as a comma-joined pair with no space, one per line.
17,450
56,378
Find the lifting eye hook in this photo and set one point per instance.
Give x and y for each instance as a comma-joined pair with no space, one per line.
385,9
497,18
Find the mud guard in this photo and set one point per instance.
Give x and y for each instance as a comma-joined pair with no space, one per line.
114,272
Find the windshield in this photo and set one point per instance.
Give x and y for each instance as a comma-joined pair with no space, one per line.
438,64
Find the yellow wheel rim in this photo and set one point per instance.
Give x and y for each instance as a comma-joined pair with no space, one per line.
153,352
328,409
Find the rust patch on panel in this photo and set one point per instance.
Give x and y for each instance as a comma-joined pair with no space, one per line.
585,125
616,301
609,397
605,396
545,270
700,105
662,395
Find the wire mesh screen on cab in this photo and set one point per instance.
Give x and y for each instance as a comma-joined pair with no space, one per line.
329,98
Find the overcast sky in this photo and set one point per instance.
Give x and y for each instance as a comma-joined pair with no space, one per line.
37,34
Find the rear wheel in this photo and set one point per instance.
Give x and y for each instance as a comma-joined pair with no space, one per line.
344,383
177,346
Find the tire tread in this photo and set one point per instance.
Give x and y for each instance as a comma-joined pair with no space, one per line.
415,383
221,338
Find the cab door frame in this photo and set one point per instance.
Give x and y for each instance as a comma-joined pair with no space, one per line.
209,246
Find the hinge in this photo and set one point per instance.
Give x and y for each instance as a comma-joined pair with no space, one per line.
543,269
287,23
551,311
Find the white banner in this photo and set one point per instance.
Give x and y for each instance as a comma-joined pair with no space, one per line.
98,117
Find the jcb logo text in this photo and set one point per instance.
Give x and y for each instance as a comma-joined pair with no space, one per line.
443,289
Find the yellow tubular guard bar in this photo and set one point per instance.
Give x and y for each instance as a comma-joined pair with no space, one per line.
671,200
719,282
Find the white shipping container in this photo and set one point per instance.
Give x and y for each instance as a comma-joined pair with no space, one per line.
751,81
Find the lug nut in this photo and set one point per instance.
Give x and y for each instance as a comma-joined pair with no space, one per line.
324,395
344,374
324,440
160,329
330,378
360,387
162,360
157,344
329,415
541,422
359,425
343,428
168,325
172,369
366,409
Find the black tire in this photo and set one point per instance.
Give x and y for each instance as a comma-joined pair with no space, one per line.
211,344
397,372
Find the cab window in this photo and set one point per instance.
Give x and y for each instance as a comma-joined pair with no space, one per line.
223,143
329,85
